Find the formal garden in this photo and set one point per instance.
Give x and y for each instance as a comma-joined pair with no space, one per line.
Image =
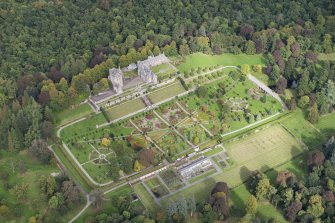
149,122
226,101
172,113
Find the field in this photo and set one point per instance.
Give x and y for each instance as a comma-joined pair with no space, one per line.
125,108
303,130
203,60
72,114
260,151
165,93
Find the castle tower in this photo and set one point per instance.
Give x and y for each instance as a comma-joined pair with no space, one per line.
116,77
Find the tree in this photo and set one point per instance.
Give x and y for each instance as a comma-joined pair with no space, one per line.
293,210
105,142
147,157
219,199
315,207
202,91
20,191
251,206
283,177
247,219
281,85
97,196
138,166
295,49
327,44
245,69
32,219
62,85
329,92
11,146
257,68
56,201
48,185
4,210
292,104
46,129
39,149
126,163
249,47
262,188
275,73
184,49
313,115
317,159
303,101
247,30
71,192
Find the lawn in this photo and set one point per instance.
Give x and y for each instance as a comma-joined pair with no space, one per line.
125,108
166,92
326,124
72,114
203,60
304,130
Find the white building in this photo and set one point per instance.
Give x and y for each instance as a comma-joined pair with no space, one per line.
195,167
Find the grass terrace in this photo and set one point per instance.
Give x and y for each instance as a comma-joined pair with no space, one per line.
166,92
124,108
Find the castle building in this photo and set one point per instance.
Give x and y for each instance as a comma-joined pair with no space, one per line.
143,69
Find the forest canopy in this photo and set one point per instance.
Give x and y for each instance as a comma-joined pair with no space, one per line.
38,35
